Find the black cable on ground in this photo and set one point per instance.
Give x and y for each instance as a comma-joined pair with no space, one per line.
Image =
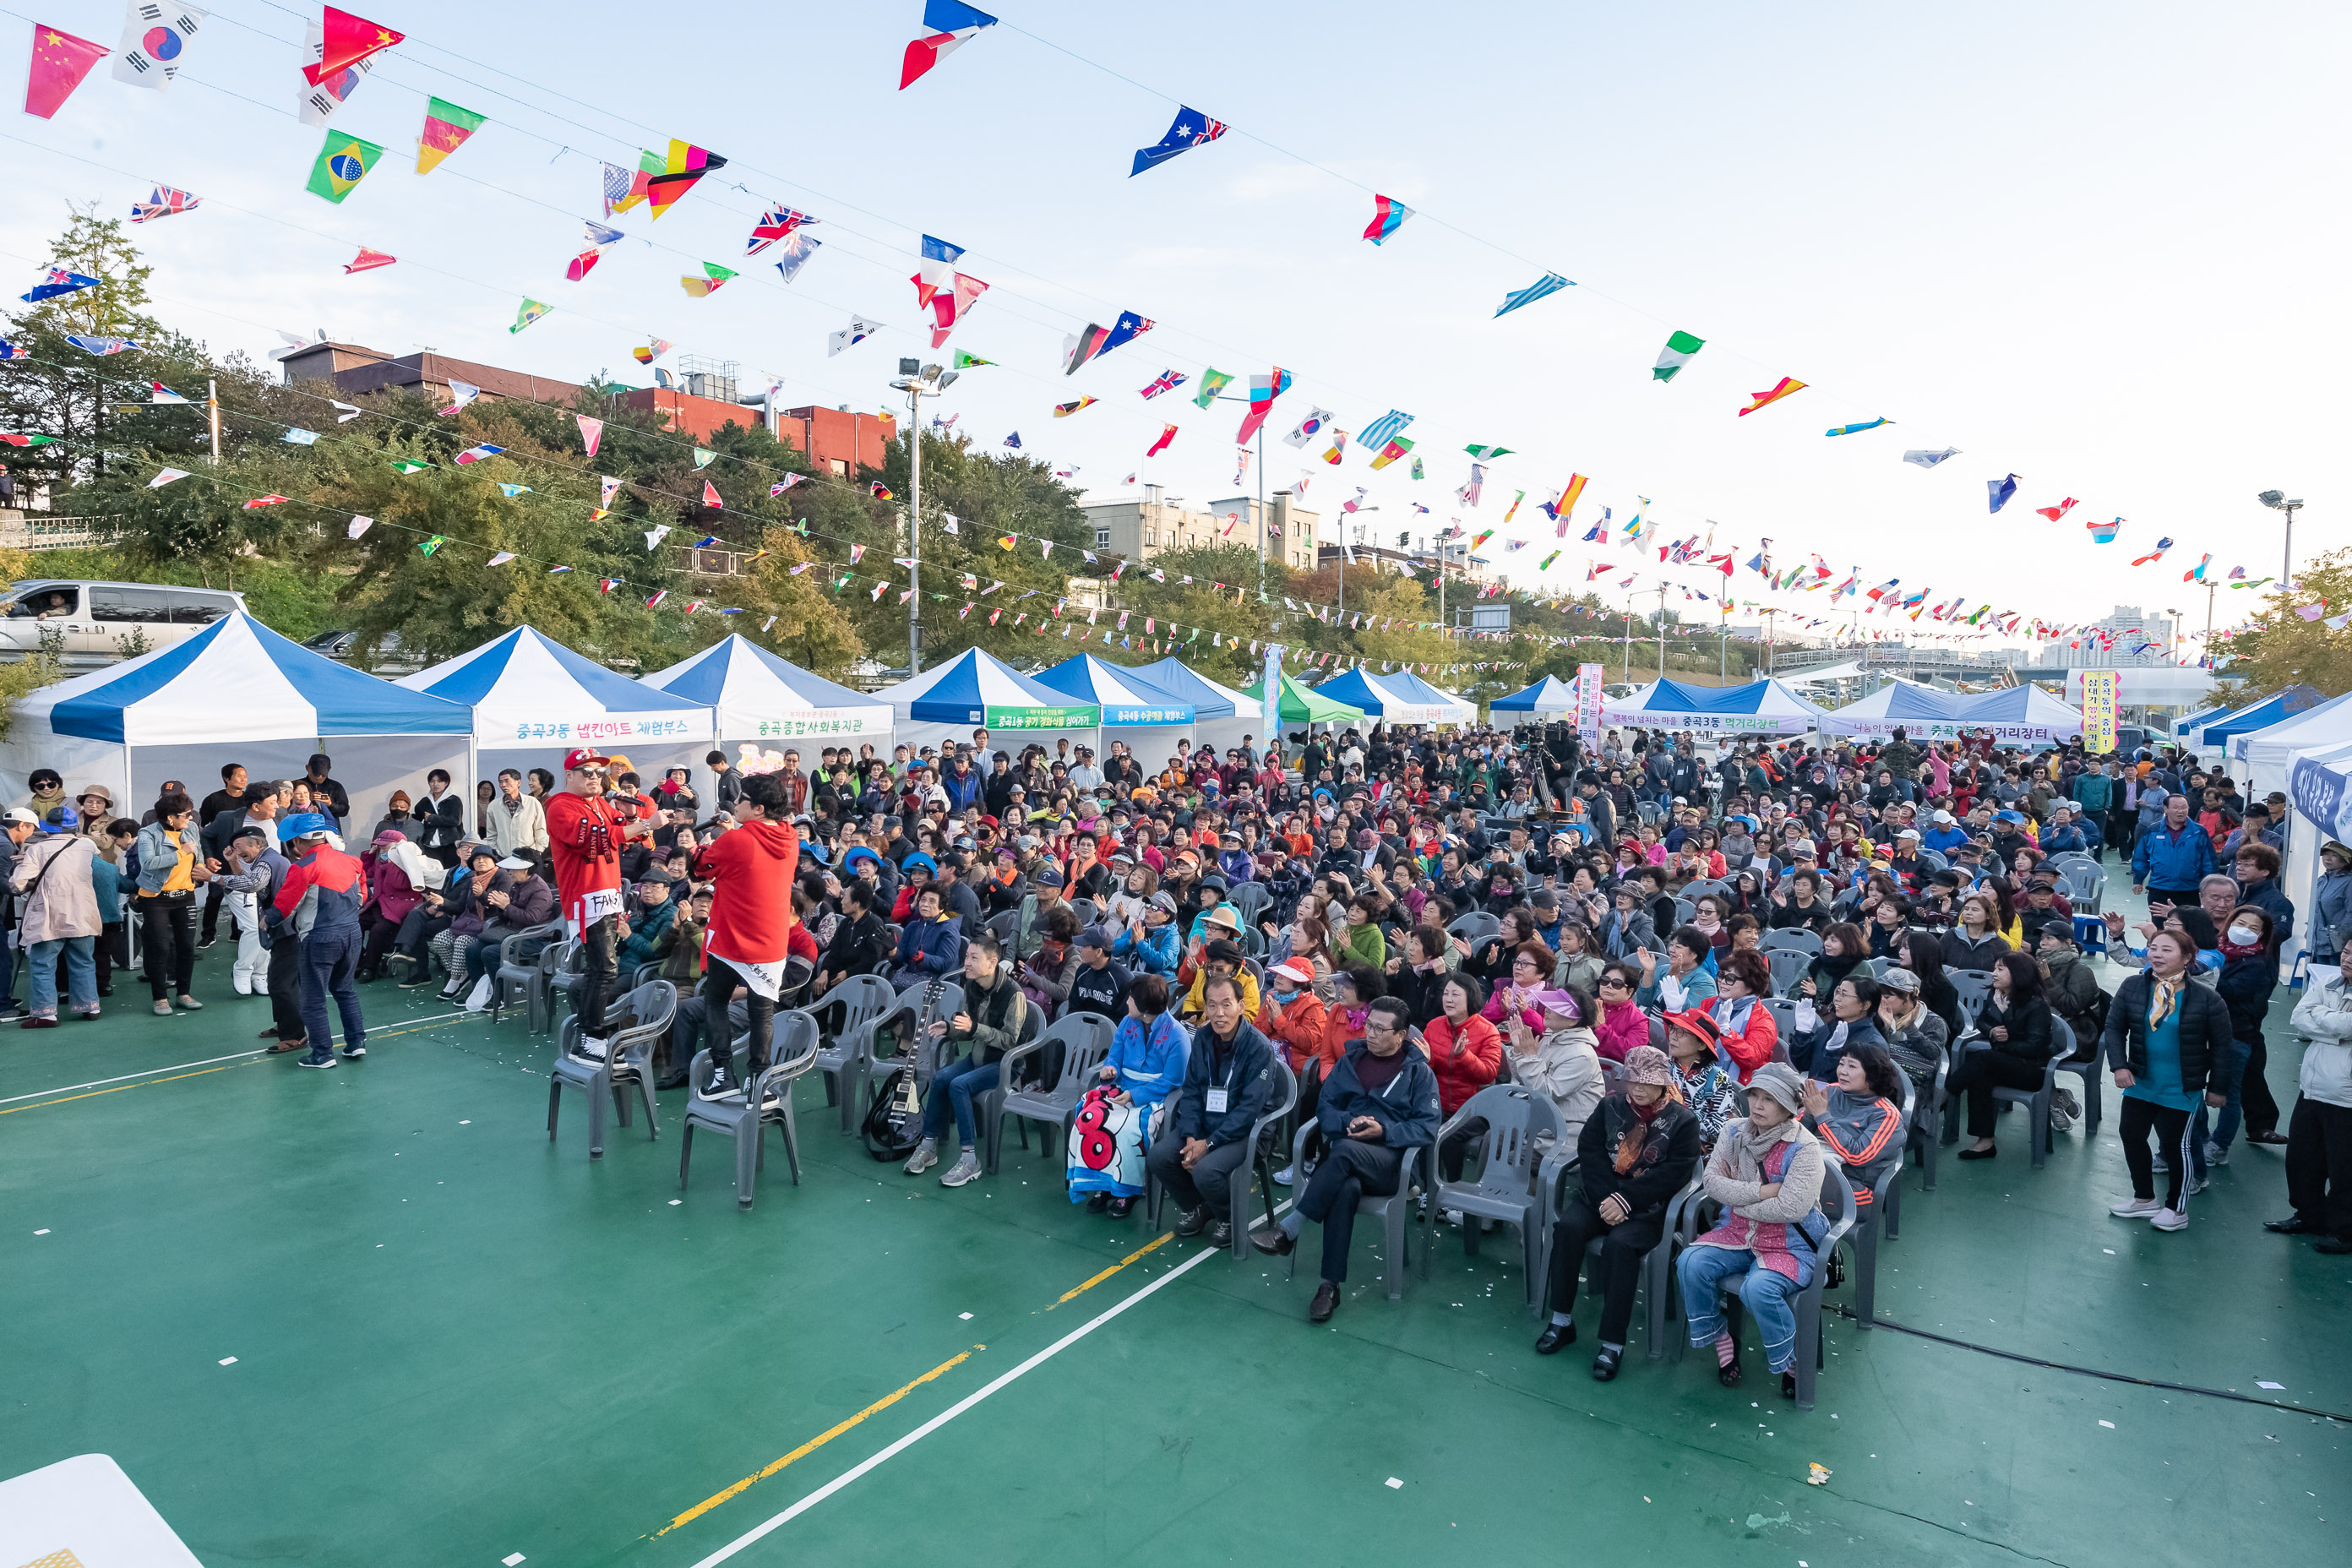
1848,1313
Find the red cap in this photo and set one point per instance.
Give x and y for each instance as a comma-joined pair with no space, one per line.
584,757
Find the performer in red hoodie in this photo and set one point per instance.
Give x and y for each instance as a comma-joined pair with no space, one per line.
753,866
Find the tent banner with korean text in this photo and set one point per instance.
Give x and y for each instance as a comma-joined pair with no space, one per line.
2102,693
1589,681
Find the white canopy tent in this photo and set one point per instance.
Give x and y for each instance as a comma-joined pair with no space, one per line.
533,699
1222,716
978,690
2264,757
234,692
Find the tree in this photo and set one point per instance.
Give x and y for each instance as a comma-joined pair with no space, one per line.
2279,647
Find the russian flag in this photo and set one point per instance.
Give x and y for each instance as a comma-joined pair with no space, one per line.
1388,216
950,22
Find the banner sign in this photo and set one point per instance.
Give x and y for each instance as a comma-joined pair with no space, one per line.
1590,678
2102,698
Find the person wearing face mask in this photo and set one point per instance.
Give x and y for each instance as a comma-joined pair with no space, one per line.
2249,975
2168,1041
1634,1153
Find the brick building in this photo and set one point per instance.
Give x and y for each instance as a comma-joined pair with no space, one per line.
357,371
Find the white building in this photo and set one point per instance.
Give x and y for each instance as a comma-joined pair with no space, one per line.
1143,528
2127,629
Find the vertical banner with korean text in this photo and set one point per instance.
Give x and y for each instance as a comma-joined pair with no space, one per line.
1589,679
1273,689
2101,695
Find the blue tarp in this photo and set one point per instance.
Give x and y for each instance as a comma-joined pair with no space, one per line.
2279,705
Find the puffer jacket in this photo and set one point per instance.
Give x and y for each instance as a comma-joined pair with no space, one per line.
1464,1060
2205,1030
2325,1018
934,947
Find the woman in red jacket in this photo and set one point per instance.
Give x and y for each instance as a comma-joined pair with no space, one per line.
1465,1052
1750,1033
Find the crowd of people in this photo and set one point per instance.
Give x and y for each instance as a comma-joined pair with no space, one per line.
1645,903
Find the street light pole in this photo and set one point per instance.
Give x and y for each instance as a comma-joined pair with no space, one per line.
2277,502
918,381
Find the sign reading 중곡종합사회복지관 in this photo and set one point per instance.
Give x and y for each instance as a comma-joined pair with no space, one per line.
851,722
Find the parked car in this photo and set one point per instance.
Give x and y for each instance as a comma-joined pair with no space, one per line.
103,623
390,658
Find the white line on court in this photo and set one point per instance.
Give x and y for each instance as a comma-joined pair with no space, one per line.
233,1056
952,1412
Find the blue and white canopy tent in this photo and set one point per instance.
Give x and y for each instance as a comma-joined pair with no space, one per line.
1149,719
533,699
1381,699
234,692
772,703
1223,717
1765,706
1921,712
2216,735
977,690
2182,726
2020,716
1550,695
1453,708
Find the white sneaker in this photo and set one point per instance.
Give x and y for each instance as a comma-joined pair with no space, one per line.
967,1168
237,984
926,1155
1282,1177
2191,1187
2166,1219
2136,1208
2215,1154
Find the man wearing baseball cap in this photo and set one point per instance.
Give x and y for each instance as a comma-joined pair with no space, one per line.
585,832
320,897
750,925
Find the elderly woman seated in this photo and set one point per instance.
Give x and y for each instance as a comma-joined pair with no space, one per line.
1767,1172
1859,1116
1633,1155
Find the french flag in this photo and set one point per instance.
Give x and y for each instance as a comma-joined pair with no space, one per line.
949,24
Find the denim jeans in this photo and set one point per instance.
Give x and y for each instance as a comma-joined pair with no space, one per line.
330,957
2225,1126
1707,1270
81,975
952,1086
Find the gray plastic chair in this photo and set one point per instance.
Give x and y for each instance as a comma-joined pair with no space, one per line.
1795,939
1837,1207
745,1116
918,1008
2090,1071
1006,924
1972,986
1256,1171
1926,1136
1505,1187
1701,887
533,974
637,1022
863,999
1394,1212
1789,966
1085,1039
1784,1021
1658,1293
1251,900
1880,1220
1477,925
2036,1100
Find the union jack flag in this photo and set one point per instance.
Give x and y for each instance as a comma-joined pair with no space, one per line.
1166,381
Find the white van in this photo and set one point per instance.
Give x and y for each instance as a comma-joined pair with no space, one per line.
96,620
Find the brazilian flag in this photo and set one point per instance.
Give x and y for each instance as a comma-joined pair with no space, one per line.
342,164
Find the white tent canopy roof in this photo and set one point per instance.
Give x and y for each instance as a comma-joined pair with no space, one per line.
528,690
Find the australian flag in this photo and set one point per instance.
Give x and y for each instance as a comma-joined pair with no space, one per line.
1190,130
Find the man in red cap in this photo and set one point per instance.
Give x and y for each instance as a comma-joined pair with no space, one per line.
584,833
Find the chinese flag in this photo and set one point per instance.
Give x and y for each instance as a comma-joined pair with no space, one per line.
60,62
348,41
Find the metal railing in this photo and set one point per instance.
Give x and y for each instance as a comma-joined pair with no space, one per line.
42,531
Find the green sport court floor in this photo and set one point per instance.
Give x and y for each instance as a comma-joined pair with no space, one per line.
454,1343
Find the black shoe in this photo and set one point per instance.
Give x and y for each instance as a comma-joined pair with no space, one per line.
207,942
1120,1208
39,1024
316,1061
284,1047
1097,1202
2269,1135
674,1080
1728,1375
2336,1245
720,1083
2292,1226
1222,1234
1788,1385
1604,1365
353,1053
1273,1240
1980,1153
1192,1222
1326,1300
1554,1336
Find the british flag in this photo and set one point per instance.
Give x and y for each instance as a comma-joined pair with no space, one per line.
1166,381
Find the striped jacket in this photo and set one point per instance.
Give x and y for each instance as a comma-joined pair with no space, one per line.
1866,1134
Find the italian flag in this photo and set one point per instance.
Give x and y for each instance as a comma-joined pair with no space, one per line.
1674,355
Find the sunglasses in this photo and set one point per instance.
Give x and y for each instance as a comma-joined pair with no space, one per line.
1608,984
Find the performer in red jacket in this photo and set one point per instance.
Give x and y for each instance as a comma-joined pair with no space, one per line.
749,938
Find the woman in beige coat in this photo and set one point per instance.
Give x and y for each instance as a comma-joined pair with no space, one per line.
59,915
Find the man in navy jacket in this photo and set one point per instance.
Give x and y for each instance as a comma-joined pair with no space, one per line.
1228,1081
1379,1101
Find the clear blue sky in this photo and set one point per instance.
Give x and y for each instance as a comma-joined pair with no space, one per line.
2095,245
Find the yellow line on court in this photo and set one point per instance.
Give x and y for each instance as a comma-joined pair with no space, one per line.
1073,1295
117,1089
813,1444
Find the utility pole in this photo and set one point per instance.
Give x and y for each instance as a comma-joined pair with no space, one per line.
918,381
1662,631
1625,659
211,413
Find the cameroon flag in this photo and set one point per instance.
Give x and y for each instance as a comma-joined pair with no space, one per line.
446,126
342,164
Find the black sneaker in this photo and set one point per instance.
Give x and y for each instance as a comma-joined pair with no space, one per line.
1192,1222
207,942
416,977
353,1053
316,1062
720,1084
